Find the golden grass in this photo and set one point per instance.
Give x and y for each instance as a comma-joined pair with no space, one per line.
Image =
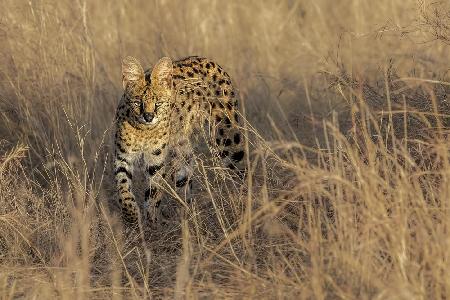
347,192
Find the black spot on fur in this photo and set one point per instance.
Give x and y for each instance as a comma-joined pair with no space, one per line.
221,81
225,92
157,152
237,156
224,153
227,142
231,167
221,131
198,93
153,169
163,146
237,138
218,92
125,171
227,121
221,105
121,149
208,66
229,106
236,117
190,74
214,77
122,159
148,78
218,118
181,182
123,181
218,141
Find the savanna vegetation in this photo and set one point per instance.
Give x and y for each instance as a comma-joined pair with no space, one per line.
347,117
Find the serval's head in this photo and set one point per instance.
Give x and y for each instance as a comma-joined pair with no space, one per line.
147,96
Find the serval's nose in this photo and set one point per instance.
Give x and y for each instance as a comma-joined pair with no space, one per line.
148,116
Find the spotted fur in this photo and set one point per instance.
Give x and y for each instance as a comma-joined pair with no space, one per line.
156,118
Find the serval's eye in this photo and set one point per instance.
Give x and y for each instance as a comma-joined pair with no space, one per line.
136,103
159,103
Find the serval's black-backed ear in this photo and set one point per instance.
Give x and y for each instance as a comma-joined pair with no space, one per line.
132,72
162,73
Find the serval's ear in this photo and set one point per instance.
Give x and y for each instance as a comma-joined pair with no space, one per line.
162,73
132,72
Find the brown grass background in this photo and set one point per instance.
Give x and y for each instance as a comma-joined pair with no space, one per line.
347,193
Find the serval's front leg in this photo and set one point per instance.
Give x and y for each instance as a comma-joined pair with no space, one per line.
123,171
182,166
155,173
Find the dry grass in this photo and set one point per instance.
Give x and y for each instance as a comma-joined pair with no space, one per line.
347,194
